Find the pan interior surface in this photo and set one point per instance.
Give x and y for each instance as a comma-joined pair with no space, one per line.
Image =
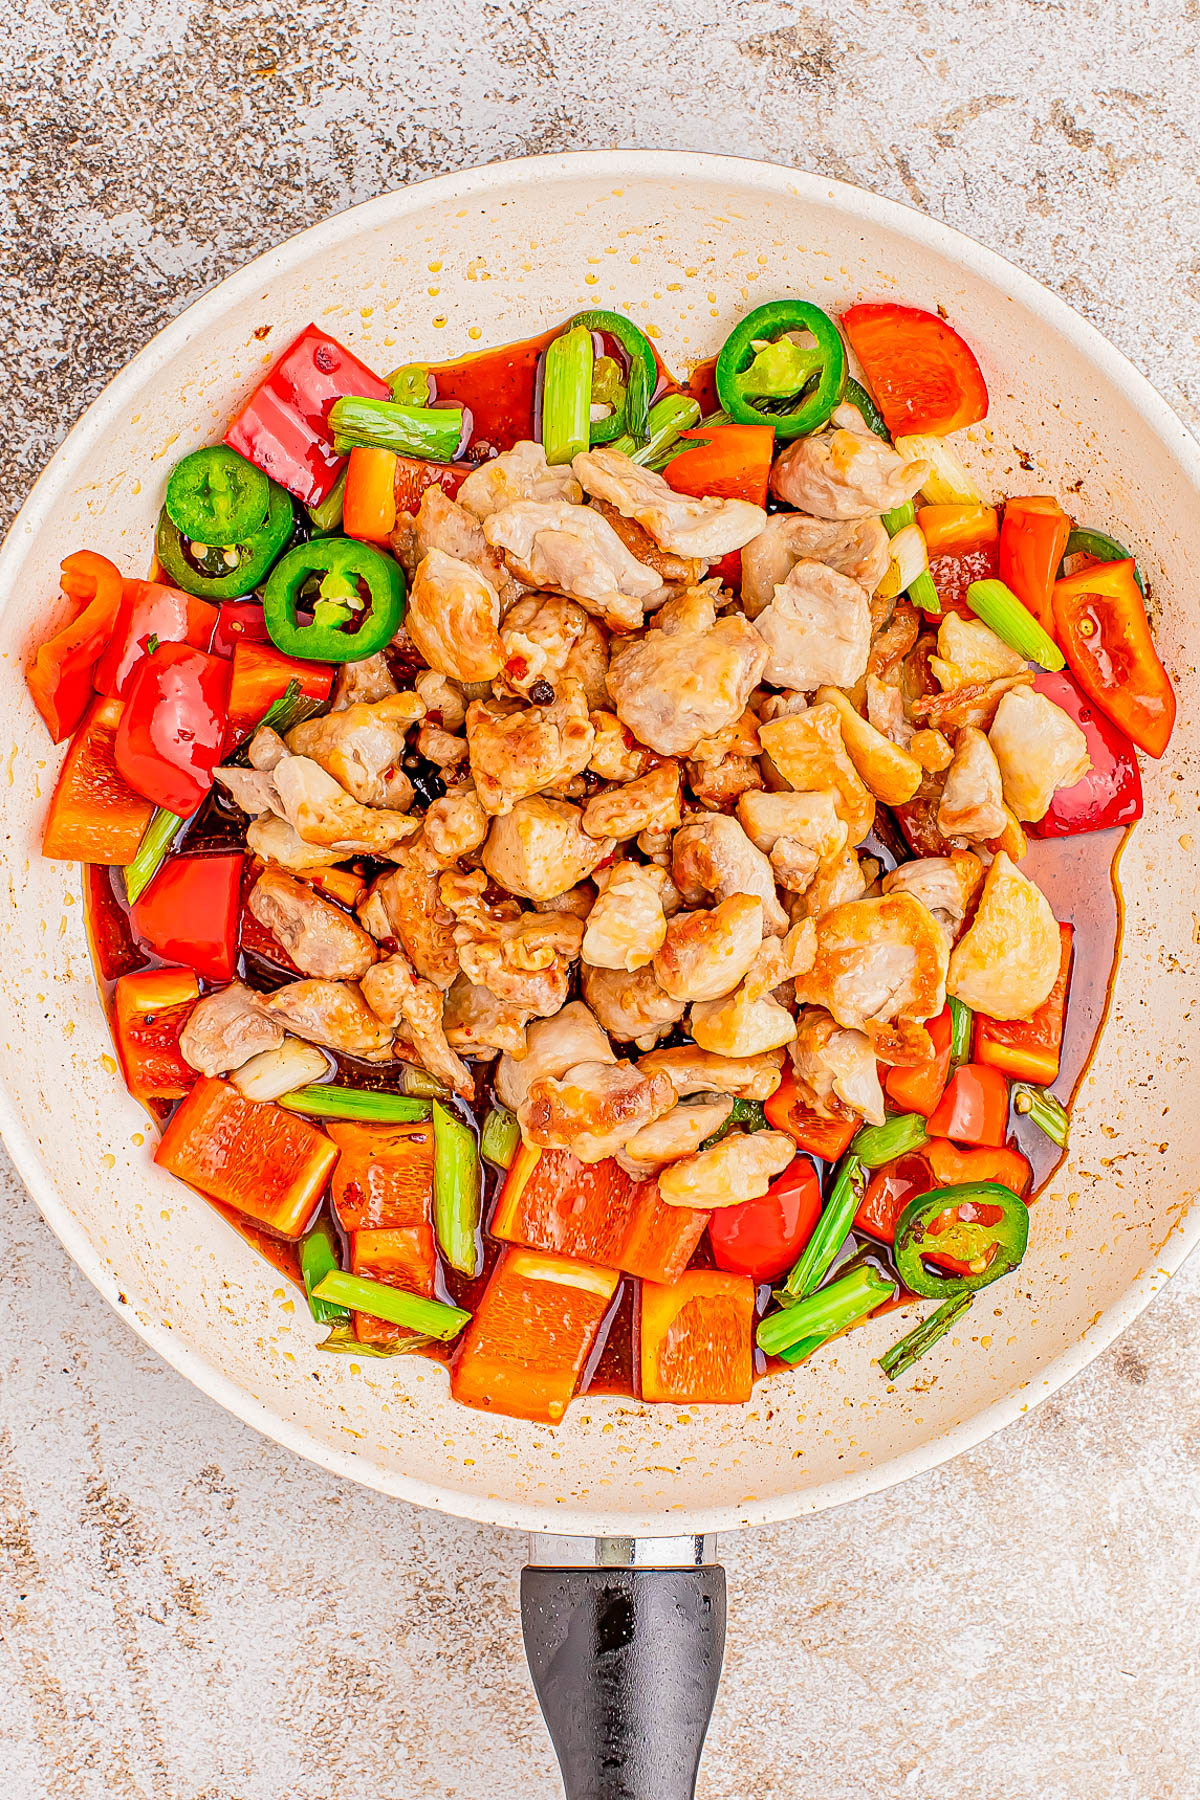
685,245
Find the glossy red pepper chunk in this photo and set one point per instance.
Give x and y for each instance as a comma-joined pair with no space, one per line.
239,622
762,1238
150,612
974,1107
920,1087
283,428
1110,794
189,913
61,677
173,727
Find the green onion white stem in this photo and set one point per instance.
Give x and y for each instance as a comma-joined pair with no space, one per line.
948,483
567,395
275,1072
1004,614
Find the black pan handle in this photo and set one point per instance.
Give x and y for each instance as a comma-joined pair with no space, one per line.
626,1663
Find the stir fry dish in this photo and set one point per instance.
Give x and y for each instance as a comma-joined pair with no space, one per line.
604,878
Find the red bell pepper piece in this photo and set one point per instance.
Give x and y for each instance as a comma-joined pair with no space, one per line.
189,913
761,1238
696,1339
173,728
95,816
826,1138
938,1164
1101,625
922,374
149,611
531,1335
1033,538
239,622
732,462
283,428
1110,794
952,573
270,1164
414,475
261,674
974,1107
150,1009
918,1089
60,677
1029,1049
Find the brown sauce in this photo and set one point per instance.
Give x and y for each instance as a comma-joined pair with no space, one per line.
501,391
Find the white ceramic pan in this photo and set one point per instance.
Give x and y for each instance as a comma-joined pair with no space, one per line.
684,244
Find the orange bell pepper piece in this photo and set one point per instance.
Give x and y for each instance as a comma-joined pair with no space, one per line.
402,1257
1100,622
95,816
923,375
369,497
826,1138
260,676
384,1176
1029,1049
697,1339
958,530
1033,538
918,1089
270,1164
531,1335
150,1009
60,676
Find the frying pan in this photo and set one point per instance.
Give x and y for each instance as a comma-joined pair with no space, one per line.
623,1606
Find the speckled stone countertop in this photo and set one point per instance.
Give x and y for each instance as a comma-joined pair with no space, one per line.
188,1612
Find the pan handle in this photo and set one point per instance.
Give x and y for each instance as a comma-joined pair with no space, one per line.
625,1652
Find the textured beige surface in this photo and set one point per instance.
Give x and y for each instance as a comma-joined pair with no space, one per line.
191,1612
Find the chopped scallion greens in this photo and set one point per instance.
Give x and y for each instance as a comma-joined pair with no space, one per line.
455,1190
433,432
904,1353
327,516
318,1258
1004,614
362,1294
151,853
875,1145
830,1234
567,395
501,1136
1043,1110
673,414
962,1020
326,1101
796,1331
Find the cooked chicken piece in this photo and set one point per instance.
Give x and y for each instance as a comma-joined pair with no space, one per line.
523,957
266,749
546,637
627,924
859,550
781,959
396,995
616,754
741,1025
890,773
454,825
578,901
332,1013
687,677
1039,750
779,706
1007,962
892,642
553,1046
443,700
225,1029
252,790
321,812
809,752
969,651
518,752
593,1109
540,849
521,473
741,1167
413,914
974,704
945,884
650,802
706,954
720,785
442,749
713,856
632,1007
678,1133
880,968
739,739
362,682
817,629
362,747
572,549
835,1069
931,750
696,1071
442,524
707,528
837,879
845,472
476,1022
274,841
674,572
794,864
810,819
453,618
319,937
972,803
